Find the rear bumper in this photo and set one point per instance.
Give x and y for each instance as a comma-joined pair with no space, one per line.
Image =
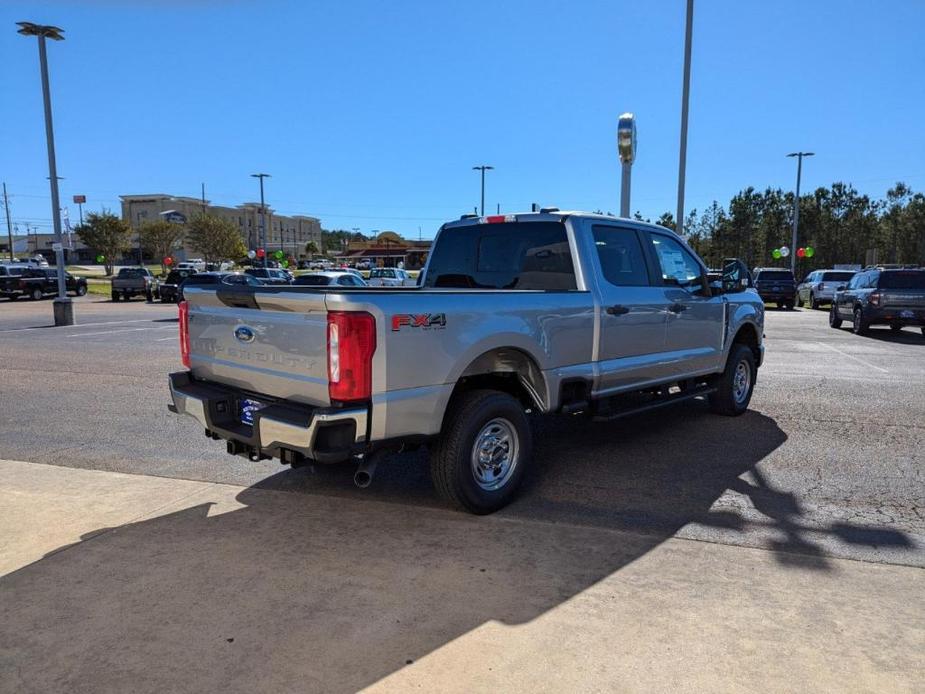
894,316
282,429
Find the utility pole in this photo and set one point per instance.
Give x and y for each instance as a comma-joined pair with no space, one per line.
626,148
685,99
483,168
63,308
796,209
203,198
263,217
9,226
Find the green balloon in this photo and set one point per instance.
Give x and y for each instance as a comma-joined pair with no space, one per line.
776,253
810,251
100,258
278,254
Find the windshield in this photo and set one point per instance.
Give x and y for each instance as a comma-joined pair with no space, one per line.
312,280
902,279
775,275
837,276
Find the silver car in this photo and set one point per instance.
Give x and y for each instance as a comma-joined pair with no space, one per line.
819,287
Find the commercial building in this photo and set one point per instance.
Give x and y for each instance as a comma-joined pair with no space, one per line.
388,249
287,233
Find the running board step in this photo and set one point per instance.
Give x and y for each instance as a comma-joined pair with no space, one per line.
660,401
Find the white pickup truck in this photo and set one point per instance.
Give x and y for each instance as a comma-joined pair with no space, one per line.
550,312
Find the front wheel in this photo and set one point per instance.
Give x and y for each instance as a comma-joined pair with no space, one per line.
37,294
813,302
736,383
481,455
834,320
115,296
81,290
799,300
895,328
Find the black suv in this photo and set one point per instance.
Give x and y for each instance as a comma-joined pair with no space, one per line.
170,287
881,296
776,285
37,283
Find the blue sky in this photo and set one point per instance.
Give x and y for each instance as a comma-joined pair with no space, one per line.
371,114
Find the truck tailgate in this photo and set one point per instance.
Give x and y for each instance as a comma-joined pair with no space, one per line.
265,342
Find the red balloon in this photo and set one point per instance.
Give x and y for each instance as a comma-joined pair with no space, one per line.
801,252
168,260
261,252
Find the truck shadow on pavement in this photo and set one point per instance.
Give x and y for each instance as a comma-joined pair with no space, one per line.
258,590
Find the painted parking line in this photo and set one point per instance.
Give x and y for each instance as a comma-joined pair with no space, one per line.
851,356
116,332
78,325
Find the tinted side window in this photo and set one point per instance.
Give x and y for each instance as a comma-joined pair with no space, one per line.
620,253
678,266
511,255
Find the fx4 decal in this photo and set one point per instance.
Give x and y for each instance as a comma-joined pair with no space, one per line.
418,320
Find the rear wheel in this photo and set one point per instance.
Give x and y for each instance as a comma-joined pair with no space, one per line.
859,325
481,455
895,328
81,290
834,320
149,296
37,294
736,383
813,302
115,296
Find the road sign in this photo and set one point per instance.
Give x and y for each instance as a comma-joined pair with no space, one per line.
80,199
57,247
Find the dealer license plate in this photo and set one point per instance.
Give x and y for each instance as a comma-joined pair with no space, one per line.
248,407
907,314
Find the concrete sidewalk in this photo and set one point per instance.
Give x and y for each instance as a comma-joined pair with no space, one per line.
116,583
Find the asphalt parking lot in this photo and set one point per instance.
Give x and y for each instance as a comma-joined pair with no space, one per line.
828,462
779,547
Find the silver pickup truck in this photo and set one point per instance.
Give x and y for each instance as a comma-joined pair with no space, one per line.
550,312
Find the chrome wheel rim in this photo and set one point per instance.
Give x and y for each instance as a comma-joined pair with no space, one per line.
495,454
741,381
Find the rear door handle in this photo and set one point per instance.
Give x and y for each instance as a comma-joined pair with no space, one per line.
677,308
617,310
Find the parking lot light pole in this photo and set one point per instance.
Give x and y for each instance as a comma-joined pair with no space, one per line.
685,102
626,148
63,308
796,210
483,168
263,217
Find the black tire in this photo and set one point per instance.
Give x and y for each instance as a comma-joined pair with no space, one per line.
12,297
813,302
115,296
895,328
149,297
790,305
468,420
834,320
81,290
859,326
729,400
799,300
37,294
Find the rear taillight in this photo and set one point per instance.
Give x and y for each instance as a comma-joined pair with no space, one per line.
184,334
499,219
874,299
351,344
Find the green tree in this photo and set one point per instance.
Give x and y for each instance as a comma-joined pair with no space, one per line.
107,235
160,238
215,238
311,248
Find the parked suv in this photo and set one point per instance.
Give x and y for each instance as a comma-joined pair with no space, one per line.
879,296
776,285
819,287
170,287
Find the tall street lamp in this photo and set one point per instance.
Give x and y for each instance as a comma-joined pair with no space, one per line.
483,168
263,217
63,308
626,148
685,100
796,209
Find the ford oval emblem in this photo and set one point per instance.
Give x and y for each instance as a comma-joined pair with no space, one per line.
244,334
